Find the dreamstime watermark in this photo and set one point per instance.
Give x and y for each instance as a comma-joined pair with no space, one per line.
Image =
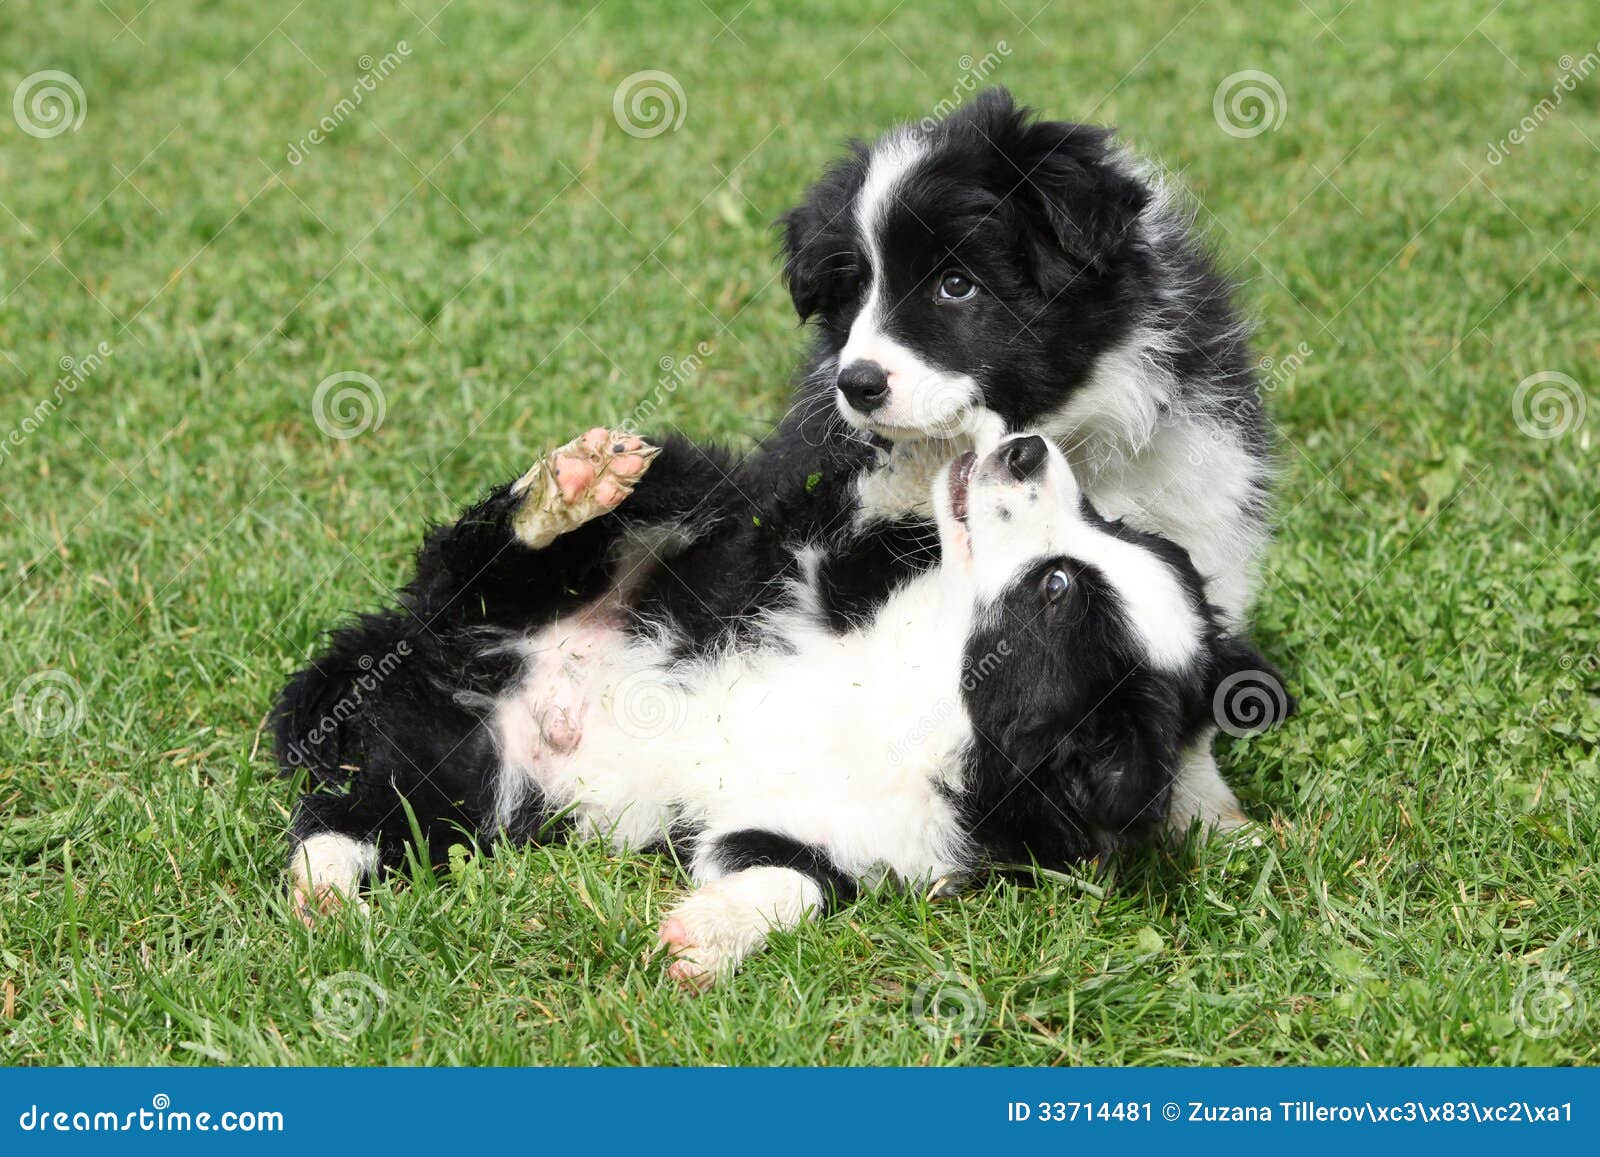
949,1004
74,372
973,673
1547,405
372,673
974,73
1547,1004
1279,372
348,404
649,103
1588,662
1573,73
1249,103
1205,441
49,103
346,1004
943,406
159,1117
48,704
1249,701
373,73
1575,672
646,705
675,372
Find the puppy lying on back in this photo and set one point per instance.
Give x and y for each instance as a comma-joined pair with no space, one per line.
1027,698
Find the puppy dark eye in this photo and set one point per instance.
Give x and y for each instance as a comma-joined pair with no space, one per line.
956,286
1056,583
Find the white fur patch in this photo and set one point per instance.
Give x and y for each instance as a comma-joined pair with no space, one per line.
923,401
1199,793
1155,600
904,483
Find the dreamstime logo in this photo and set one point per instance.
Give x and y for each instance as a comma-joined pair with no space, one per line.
674,373
373,672
346,1004
943,406
1249,701
973,673
974,73
646,706
373,73
1567,684
649,103
1547,1005
347,405
1206,443
49,103
1249,103
1547,405
1573,73
949,1004
160,1117
1279,372
74,372
48,704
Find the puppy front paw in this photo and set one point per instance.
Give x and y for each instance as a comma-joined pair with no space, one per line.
711,932
707,936
578,482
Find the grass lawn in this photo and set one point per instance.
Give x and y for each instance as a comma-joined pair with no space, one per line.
506,265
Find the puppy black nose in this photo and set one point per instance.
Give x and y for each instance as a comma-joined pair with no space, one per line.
1023,456
864,385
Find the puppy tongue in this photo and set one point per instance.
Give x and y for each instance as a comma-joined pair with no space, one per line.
960,475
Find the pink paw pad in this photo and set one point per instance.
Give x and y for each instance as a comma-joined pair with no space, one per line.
585,478
687,972
310,905
573,475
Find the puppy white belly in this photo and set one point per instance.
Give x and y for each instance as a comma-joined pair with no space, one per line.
558,730
847,744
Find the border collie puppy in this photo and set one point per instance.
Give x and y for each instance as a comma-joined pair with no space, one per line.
998,273
1027,697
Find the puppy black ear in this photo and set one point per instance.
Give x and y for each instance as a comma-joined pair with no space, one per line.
1089,205
1078,204
1129,776
1109,771
1246,693
801,268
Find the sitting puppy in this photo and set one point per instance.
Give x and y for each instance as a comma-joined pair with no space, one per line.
995,273
1028,697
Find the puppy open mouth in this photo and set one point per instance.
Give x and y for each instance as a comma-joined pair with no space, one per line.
960,476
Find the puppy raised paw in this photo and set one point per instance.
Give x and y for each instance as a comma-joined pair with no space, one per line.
577,482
